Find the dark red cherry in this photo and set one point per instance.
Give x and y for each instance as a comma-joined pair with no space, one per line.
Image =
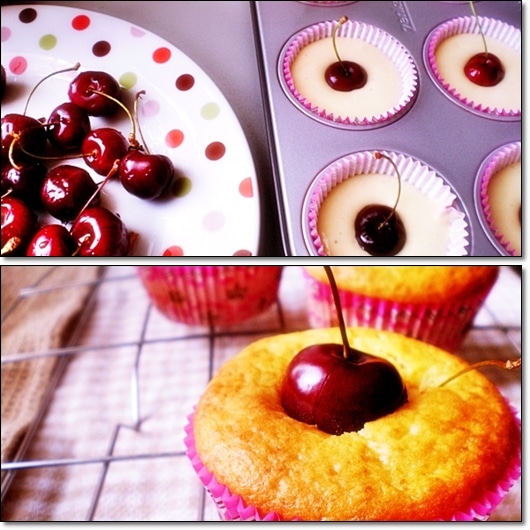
52,240
99,232
145,175
24,182
484,69
379,231
69,124
102,147
27,133
83,92
65,191
338,395
346,76
19,223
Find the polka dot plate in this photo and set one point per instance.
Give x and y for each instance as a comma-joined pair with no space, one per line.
213,205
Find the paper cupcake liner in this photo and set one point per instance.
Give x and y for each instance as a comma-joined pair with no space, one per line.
234,508
503,157
211,295
497,29
412,171
385,42
443,325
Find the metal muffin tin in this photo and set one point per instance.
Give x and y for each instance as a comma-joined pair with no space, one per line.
451,139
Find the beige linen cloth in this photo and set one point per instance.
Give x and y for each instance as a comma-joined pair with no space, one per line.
35,324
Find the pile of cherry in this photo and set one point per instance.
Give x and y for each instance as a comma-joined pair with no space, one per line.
69,193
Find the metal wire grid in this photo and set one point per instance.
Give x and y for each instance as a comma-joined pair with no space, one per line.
150,348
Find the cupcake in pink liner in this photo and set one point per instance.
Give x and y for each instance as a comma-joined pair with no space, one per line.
452,44
219,295
434,223
451,452
498,198
434,304
391,77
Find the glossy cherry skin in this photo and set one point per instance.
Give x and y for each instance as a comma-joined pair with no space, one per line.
81,91
24,182
27,132
102,147
377,236
99,232
52,240
65,190
346,76
323,388
19,223
69,124
145,175
484,69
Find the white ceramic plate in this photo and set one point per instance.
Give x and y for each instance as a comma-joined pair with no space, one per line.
213,209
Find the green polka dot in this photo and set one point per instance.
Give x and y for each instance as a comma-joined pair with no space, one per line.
128,80
47,42
181,187
210,111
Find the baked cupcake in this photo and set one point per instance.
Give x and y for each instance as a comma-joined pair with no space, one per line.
449,452
433,222
435,304
499,198
451,46
384,73
218,295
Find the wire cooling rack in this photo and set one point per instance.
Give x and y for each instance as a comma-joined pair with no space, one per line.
108,444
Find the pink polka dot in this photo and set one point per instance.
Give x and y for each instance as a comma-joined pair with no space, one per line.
150,108
137,32
18,65
161,55
80,22
245,187
213,221
174,138
6,33
185,82
215,151
173,251
242,252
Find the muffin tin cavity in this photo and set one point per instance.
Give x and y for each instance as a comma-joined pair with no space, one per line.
433,126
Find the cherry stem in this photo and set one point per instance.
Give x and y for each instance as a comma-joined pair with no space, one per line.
336,299
70,69
474,11
341,21
136,99
110,174
132,135
508,365
379,155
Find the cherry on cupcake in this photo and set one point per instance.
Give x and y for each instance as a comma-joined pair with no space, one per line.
484,68
338,388
86,89
52,240
19,223
344,76
378,228
65,191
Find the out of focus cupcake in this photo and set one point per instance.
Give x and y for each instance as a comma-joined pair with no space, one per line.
433,222
434,304
215,295
390,76
453,43
499,200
